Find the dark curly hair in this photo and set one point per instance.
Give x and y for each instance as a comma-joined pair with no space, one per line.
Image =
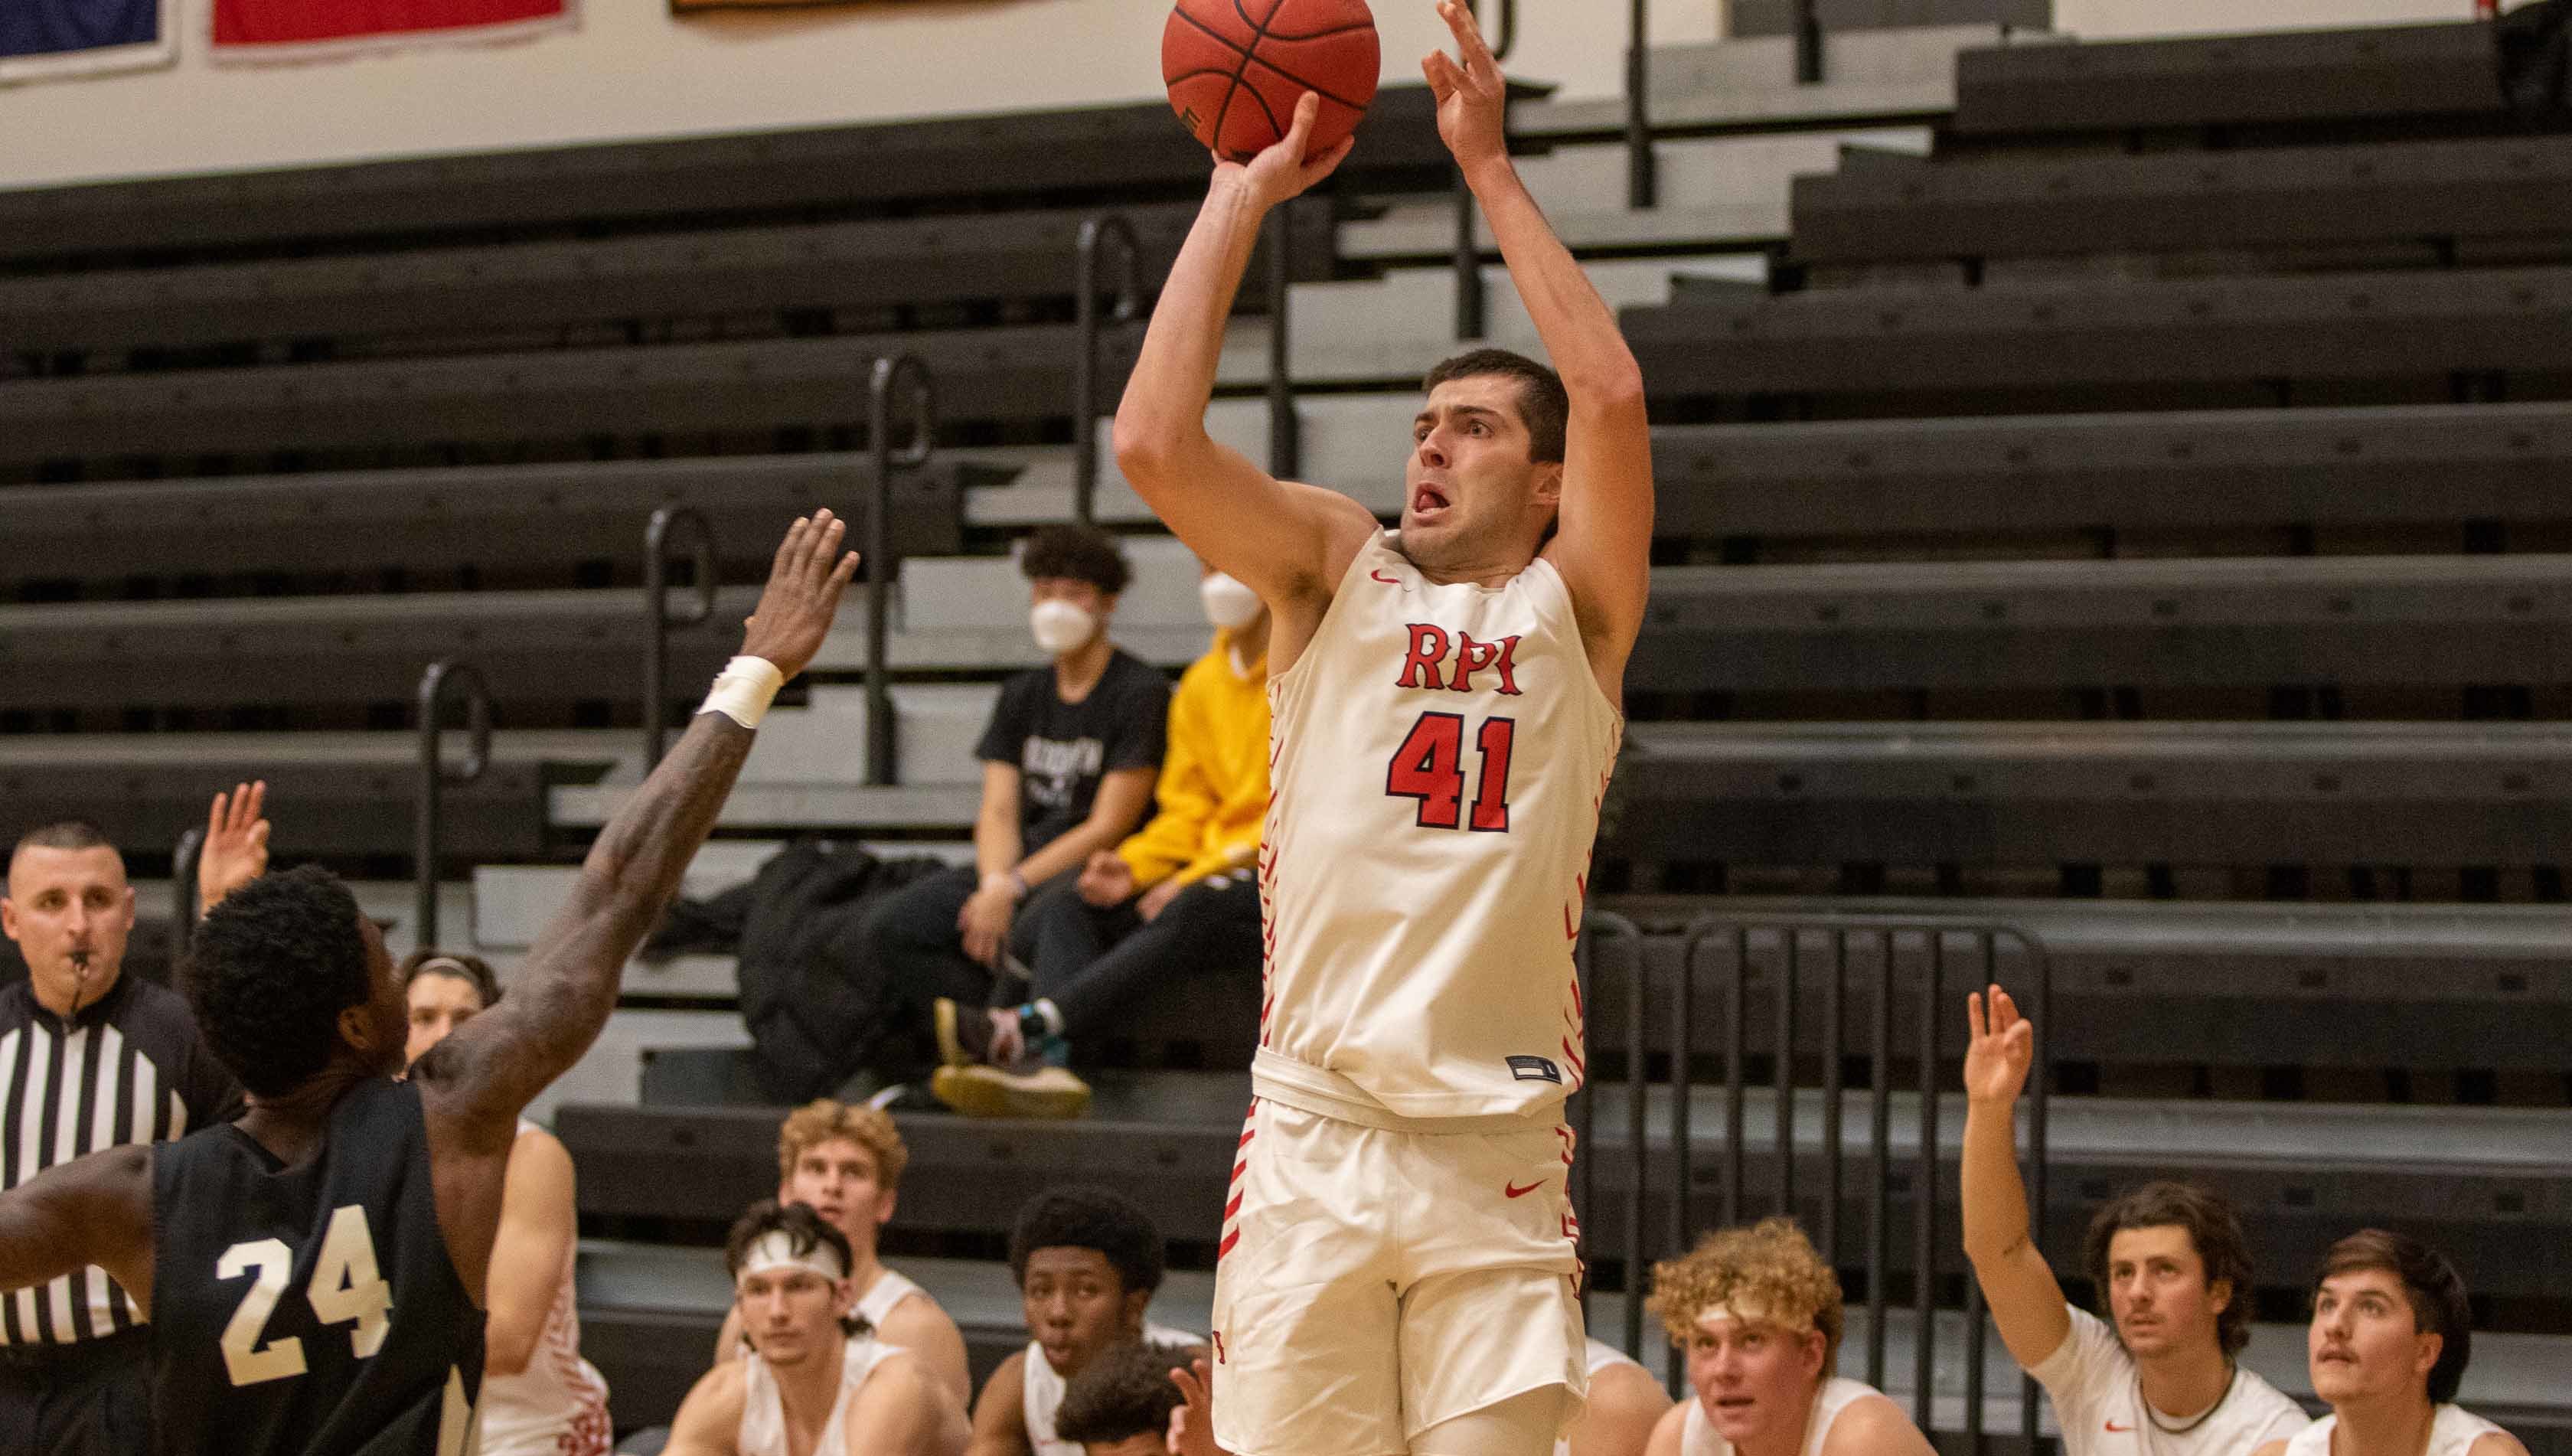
1123,1394
270,970
805,1232
2212,1231
2433,1287
1544,407
1071,553
1086,1216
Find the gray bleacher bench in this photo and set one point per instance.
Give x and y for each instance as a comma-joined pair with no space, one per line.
2248,621
2490,1180
1015,372
2094,792
2499,196
2287,79
505,519
2432,465
2427,989
1078,155
702,271
2234,333
349,793
1748,83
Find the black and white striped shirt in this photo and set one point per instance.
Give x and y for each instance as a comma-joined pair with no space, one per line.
128,1068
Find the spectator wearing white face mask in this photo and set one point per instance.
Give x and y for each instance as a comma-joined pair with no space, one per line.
1177,898
1068,760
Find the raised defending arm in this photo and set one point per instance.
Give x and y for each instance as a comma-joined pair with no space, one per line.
1603,544
2026,1303
1285,541
495,1063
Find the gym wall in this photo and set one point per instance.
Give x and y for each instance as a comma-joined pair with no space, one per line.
632,71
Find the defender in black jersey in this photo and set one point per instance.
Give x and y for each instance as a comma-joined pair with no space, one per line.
314,1272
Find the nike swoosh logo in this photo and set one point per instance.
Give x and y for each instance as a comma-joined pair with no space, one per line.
1523,1192
2115,1429
1380,577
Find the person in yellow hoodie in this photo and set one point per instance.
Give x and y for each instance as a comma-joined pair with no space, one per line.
1177,898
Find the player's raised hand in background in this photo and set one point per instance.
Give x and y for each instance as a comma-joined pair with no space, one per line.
1473,100
1283,169
2003,1043
236,846
803,594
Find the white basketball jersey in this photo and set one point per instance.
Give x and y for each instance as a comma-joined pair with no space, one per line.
1438,757
877,1304
1698,1436
2452,1432
763,1409
1040,1389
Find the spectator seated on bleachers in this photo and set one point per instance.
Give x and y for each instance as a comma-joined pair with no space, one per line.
1088,1261
2391,1333
844,1162
1176,899
816,1378
539,1397
1120,1405
1758,1316
2169,1258
1067,766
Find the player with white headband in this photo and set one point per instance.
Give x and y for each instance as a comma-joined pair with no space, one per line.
1757,1314
816,1381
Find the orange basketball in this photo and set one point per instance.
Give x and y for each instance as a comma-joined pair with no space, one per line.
1236,68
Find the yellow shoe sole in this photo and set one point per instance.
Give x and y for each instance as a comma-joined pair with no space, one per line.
988,1091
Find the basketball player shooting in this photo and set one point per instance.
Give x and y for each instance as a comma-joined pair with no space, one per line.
1398,1259
315,1273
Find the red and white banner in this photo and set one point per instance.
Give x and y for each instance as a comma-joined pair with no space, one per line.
286,30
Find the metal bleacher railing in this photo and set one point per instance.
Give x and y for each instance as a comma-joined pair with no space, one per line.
444,678
695,610
889,376
1795,955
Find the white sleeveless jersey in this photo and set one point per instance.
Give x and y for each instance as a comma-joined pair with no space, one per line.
1040,1389
1698,1437
557,1406
763,1411
1438,757
888,1289
2452,1433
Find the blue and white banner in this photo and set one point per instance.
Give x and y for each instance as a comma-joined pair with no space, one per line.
40,38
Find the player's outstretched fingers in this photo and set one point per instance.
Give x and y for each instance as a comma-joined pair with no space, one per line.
1479,60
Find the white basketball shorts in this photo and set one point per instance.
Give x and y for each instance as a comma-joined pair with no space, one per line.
1373,1283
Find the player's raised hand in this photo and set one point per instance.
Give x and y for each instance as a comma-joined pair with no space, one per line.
803,594
1193,1421
1473,100
1284,170
2003,1043
236,847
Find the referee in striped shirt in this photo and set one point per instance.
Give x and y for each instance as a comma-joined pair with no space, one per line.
89,1058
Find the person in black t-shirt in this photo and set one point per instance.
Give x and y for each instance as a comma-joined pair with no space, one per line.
1069,762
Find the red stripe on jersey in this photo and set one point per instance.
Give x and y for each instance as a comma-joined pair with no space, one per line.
1225,1248
1578,1067
1234,1206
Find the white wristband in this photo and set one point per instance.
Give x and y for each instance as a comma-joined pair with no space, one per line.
744,689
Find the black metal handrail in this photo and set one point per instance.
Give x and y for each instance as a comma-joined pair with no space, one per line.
656,605
1472,306
1285,431
1929,944
444,678
1643,167
183,892
1095,234
889,376
1809,42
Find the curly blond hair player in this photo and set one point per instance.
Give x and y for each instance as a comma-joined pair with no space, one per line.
1757,1315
